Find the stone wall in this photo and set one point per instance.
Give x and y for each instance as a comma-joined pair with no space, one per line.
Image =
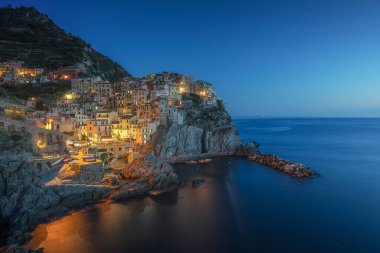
91,173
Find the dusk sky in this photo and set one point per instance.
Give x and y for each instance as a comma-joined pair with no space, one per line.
271,58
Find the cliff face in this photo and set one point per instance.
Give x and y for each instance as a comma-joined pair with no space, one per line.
207,130
30,36
24,202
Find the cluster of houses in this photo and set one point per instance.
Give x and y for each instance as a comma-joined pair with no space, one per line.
119,117
13,72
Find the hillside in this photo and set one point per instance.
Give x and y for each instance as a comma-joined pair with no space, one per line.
30,36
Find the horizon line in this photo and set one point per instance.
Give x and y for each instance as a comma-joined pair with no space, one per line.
266,116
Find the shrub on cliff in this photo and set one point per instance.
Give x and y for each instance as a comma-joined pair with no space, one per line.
15,140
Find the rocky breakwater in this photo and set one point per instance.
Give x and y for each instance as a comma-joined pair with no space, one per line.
207,130
292,168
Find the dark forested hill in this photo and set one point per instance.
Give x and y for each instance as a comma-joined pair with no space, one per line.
30,36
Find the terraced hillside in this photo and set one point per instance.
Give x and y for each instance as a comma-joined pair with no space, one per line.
30,36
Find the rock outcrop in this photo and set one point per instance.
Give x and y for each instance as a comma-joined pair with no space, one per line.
84,174
150,174
14,248
206,131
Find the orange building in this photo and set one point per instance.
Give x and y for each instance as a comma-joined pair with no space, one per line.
145,111
29,72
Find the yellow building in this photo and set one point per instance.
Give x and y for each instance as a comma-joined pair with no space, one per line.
126,128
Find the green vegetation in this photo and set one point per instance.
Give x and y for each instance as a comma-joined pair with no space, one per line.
220,105
29,36
9,140
209,117
197,100
103,157
40,106
48,91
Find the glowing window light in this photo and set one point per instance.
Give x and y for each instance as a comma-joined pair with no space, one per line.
40,144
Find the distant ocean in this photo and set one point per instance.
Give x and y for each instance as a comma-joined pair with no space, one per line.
245,207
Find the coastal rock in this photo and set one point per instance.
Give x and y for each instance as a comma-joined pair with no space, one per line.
85,174
182,140
18,249
197,182
154,173
250,148
130,190
224,139
206,131
111,179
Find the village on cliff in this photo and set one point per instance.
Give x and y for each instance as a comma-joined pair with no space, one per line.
97,119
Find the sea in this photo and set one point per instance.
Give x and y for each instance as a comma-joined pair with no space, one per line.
247,207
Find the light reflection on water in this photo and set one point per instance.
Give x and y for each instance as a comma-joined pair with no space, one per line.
201,216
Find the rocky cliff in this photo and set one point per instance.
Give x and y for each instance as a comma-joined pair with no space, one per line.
207,130
24,202
150,175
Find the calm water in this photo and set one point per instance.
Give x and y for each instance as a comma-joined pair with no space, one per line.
245,207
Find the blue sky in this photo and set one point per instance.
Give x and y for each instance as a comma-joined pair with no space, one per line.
271,58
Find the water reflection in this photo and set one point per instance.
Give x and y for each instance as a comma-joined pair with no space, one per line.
187,220
169,199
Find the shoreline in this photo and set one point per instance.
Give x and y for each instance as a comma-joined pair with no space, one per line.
142,186
182,159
